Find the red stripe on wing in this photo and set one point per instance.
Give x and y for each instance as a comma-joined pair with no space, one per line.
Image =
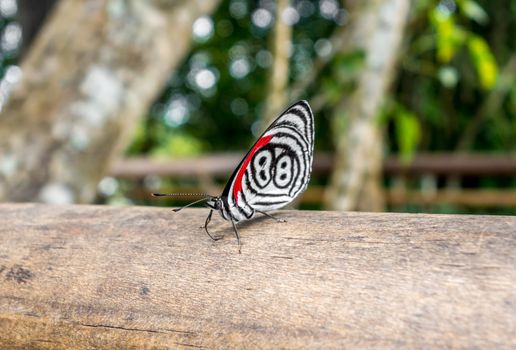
237,187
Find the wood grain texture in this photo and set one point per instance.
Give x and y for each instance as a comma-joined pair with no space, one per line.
135,277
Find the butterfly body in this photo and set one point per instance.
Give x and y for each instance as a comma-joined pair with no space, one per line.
273,173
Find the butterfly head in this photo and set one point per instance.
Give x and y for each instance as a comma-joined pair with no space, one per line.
214,203
217,203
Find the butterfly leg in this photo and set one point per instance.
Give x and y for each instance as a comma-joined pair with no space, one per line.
270,216
208,219
237,235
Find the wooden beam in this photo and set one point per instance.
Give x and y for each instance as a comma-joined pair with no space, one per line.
223,164
137,277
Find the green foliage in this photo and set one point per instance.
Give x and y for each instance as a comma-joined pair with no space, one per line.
347,65
225,116
408,133
450,37
447,71
340,77
473,11
179,145
452,67
484,60
406,129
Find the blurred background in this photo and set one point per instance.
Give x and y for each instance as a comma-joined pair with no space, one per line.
106,101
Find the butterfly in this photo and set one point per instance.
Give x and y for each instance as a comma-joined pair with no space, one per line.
272,174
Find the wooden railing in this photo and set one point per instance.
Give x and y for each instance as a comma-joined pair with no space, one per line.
98,277
414,183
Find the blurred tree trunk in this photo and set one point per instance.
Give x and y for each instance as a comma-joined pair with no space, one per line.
31,16
277,94
92,71
376,27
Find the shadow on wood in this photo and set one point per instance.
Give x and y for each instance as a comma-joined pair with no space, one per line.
112,277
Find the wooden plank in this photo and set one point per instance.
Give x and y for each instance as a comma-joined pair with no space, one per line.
138,277
223,165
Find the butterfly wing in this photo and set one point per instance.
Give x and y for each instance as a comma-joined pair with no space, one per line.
276,169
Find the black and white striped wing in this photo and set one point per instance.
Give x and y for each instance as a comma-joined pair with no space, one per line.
277,168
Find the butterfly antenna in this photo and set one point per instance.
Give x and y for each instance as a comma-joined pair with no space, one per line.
206,197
